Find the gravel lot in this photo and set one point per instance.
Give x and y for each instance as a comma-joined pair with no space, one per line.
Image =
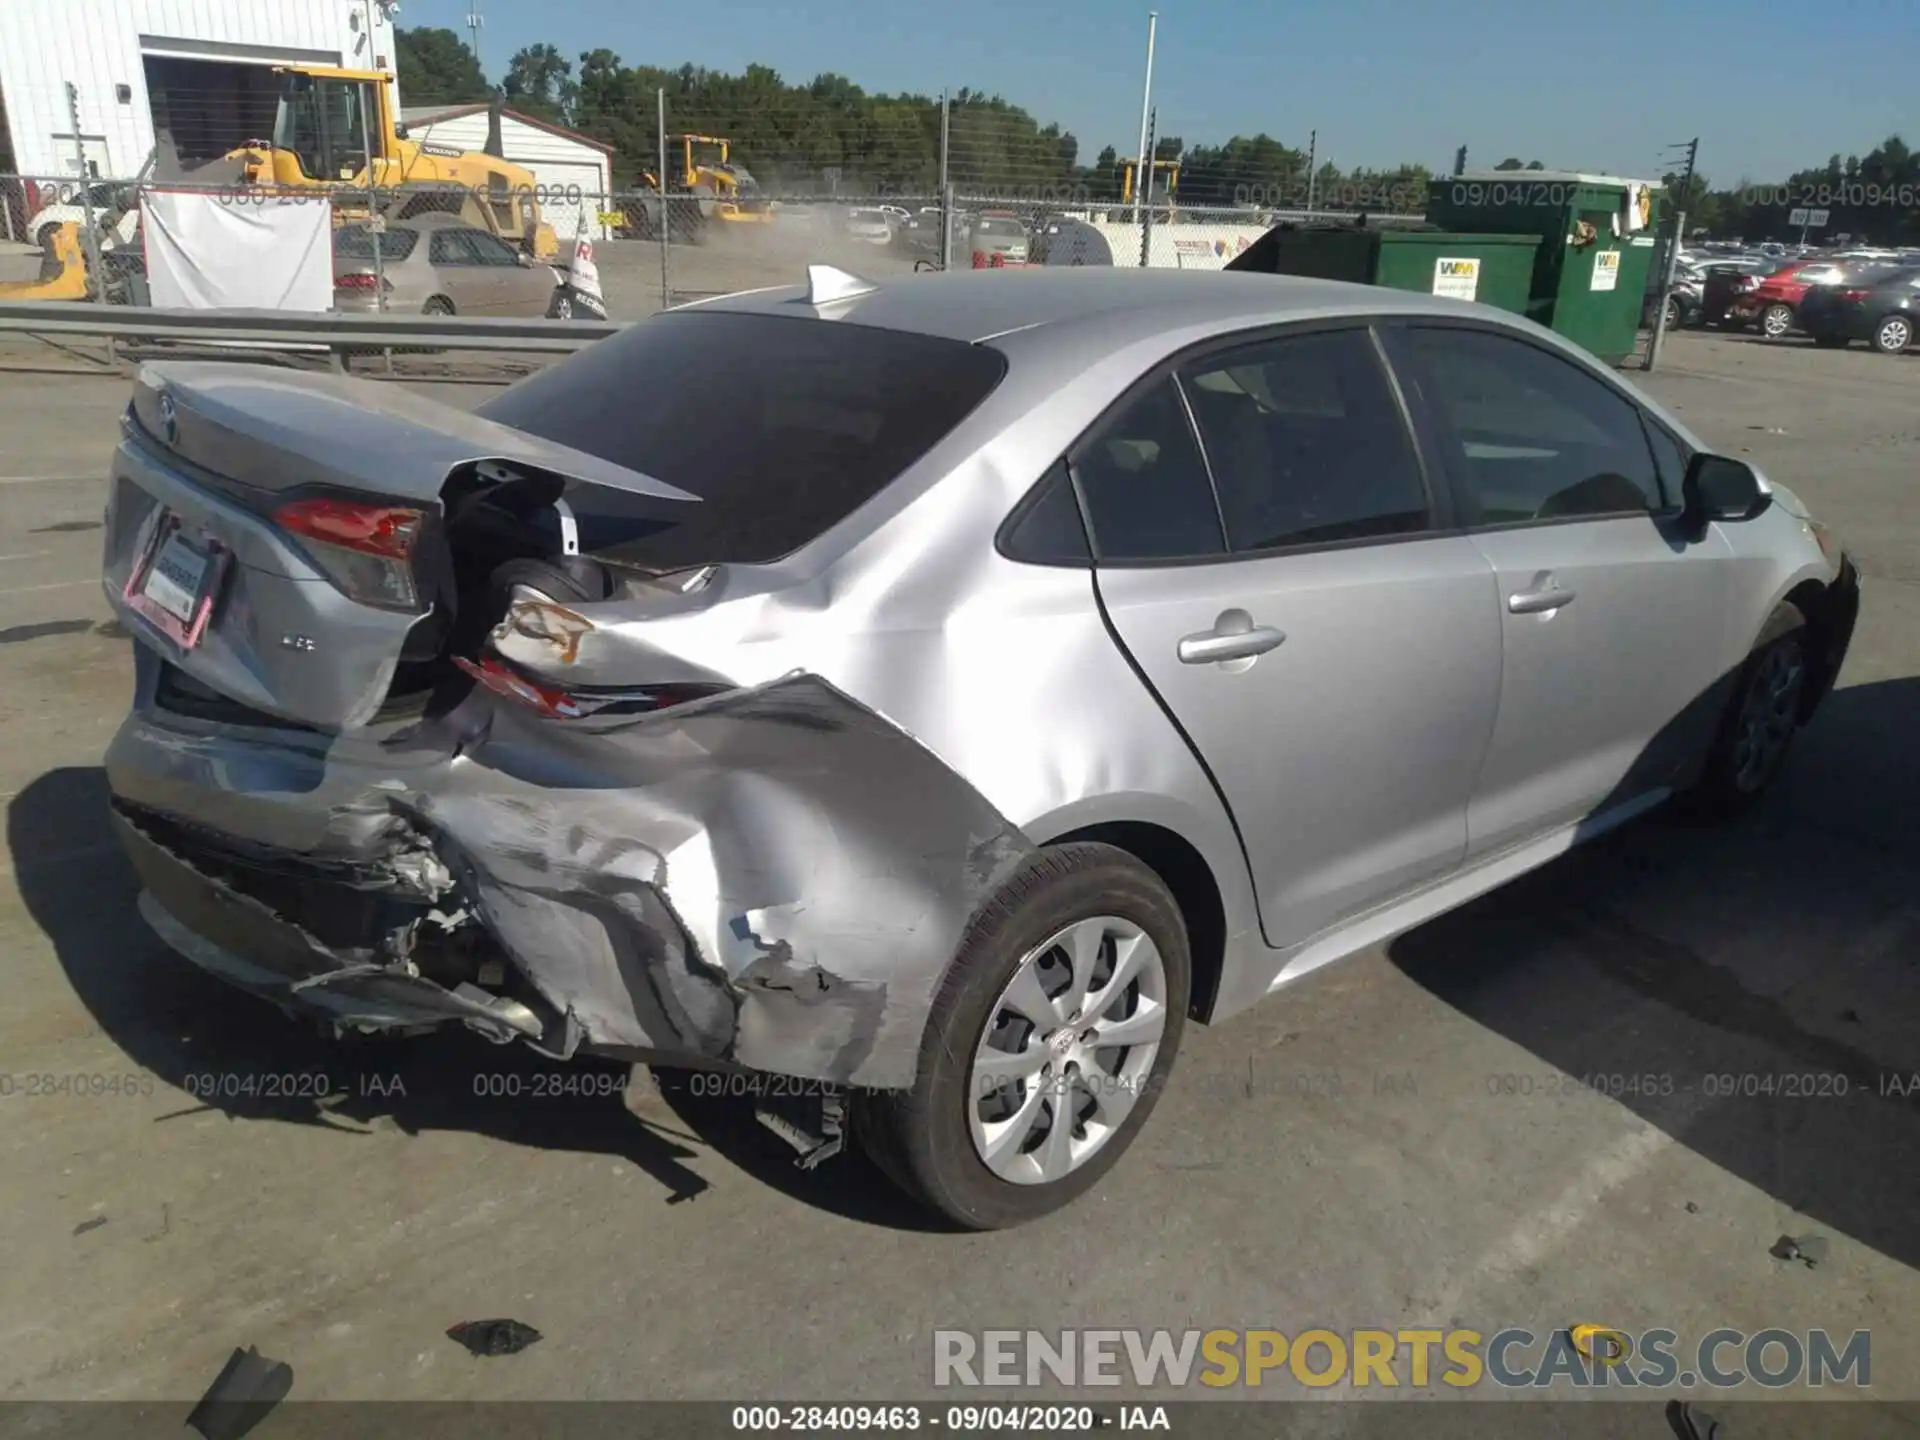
667,1248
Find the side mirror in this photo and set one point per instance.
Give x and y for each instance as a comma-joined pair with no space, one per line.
400,130
523,259
1717,488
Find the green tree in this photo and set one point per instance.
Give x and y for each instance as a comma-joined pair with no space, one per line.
539,82
435,67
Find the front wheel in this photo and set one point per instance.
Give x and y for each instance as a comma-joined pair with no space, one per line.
562,308
1776,320
1762,719
1675,317
1893,335
1046,1046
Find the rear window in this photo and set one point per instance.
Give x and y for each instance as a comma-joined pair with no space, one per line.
868,217
782,426
999,227
355,242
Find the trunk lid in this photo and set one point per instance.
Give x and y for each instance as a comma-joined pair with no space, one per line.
280,540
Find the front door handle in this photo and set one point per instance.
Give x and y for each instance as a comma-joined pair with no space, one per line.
1539,602
1210,647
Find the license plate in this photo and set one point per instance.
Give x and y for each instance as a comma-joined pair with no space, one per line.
174,584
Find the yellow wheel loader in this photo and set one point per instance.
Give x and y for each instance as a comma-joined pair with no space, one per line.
328,121
713,187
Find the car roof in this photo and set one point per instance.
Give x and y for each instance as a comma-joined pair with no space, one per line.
977,305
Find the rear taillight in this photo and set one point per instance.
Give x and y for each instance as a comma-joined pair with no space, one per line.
1852,294
557,704
365,548
360,282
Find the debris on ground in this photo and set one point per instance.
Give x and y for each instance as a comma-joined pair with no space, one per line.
85,1225
247,1388
1810,1250
1692,1209
493,1337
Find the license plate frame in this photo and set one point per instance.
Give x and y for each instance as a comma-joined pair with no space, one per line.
188,586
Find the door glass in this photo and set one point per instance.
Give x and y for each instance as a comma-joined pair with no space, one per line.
1146,487
1533,438
1669,458
1306,442
452,247
491,249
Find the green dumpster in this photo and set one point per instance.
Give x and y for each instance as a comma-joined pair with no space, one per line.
1597,244
1492,269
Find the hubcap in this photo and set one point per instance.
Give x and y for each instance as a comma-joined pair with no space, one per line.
1775,322
1067,1050
1769,714
1895,334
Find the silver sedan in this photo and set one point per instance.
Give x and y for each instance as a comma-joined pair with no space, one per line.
438,265
936,693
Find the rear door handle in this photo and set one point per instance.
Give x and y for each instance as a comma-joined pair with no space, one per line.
1539,602
1210,647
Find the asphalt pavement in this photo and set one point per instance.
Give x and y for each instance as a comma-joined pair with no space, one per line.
1394,1143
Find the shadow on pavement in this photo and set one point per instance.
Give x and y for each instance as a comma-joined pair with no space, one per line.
238,1055
1751,989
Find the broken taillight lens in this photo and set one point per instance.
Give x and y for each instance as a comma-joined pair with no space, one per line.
558,704
365,548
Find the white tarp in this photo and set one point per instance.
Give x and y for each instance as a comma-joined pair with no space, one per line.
251,252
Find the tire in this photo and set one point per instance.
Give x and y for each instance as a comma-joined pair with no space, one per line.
924,1139
1775,321
577,579
437,305
45,238
1730,784
562,307
1676,317
1893,335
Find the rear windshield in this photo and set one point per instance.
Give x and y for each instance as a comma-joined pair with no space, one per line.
783,426
355,242
868,217
999,227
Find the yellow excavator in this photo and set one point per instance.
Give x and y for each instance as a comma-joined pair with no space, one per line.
328,121
705,171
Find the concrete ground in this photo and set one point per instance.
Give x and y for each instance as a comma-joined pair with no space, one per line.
1388,1145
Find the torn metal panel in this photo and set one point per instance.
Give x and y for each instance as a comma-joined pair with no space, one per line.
775,878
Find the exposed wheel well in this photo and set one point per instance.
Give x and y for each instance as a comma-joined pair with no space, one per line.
1182,869
1825,622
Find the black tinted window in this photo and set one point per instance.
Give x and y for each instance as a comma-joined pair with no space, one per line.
782,427
1146,488
1306,442
1534,438
1046,529
1669,458
355,242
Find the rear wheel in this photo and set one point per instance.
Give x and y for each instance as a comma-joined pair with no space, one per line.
437,305
1776,320
1893,335
1675,315
1046,1046
1762,719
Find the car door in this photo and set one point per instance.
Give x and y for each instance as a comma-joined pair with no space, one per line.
525,290
1270,553
1615,622
468,281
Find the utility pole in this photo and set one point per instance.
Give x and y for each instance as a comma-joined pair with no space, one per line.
946,186
1672,258
476,22
1313,149
1146,217
1143,167
1460,162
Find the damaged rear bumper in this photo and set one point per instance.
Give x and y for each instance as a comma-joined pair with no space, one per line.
775,878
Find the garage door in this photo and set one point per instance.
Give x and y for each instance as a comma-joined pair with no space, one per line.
581,185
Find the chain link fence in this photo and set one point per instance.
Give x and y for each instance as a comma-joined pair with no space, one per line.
729,188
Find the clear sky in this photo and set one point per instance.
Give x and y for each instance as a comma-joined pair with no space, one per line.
1769,86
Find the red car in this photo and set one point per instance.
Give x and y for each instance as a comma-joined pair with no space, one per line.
1773,304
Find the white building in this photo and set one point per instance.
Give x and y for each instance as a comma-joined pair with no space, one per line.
195,72
571,174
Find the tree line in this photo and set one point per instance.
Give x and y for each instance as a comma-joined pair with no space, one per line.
831,136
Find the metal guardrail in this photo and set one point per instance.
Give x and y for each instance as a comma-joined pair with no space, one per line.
298,330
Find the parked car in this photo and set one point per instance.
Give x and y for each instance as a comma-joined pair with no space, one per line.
1724,281
114,210
869,225
1683,300
934,692
1772,306
996,239
438,265
1883,311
